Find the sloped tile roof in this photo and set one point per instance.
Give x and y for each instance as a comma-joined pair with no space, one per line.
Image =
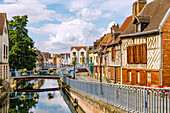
79,47
156,10
2,21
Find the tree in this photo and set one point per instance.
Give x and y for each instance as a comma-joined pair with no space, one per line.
21,52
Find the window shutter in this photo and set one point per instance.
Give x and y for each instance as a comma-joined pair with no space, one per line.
113,53
128,55
133,51
145,53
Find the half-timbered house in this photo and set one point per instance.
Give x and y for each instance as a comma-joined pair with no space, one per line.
145,45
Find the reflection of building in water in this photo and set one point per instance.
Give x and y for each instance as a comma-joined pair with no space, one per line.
4,105
38,84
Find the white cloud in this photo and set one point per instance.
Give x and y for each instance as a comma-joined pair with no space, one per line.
10,1
108,29
89,14
63,36
35,10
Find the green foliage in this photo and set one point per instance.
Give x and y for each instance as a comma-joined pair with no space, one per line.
50,70
21,52
36,70
1,82
74,62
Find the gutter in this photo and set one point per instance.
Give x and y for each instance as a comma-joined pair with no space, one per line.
112,44
139,33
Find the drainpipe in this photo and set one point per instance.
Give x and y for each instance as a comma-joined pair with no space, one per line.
121,62
160,70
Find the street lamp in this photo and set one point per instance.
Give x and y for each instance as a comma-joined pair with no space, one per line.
100,52
74,64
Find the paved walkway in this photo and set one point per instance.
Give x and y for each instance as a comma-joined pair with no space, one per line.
83,76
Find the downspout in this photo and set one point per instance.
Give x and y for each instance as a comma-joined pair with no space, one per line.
121,62
160,69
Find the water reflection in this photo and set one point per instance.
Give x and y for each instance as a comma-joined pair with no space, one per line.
4,105
36,102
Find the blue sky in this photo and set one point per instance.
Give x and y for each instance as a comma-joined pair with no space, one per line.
56,25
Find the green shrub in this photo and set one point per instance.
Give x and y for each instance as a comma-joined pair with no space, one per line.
50,70
36,70
1,82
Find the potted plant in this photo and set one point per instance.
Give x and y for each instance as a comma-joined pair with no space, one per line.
51,71
35,71
23,71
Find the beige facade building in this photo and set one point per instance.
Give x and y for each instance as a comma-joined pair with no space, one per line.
4,48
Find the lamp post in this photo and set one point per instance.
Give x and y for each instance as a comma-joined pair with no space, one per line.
100,52
74,63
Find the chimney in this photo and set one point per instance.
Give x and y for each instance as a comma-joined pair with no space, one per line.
138,6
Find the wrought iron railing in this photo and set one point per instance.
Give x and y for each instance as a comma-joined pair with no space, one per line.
127,97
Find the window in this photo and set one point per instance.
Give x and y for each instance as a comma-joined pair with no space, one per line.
101,58
74,53
97,61
82,53
129,79
90,59
149,77
138,77
6,72
113,53
143,26
138,27
108,58
137,54
4,50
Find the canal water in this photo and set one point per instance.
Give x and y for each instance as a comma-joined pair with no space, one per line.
37,102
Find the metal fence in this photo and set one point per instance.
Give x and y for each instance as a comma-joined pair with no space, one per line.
29,73
126,97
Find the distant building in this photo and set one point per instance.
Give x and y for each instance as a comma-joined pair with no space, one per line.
47,56
91,59
80,54
4,48
40,59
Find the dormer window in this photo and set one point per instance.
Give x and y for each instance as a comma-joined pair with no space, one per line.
138,27
141,23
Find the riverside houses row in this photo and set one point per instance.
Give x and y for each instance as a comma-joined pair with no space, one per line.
4,46
138,52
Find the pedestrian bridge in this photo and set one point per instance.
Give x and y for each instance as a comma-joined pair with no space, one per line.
35,77
37,90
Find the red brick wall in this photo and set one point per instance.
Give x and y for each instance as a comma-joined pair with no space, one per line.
166,53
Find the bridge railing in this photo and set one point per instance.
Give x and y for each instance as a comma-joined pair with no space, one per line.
29,73
127,97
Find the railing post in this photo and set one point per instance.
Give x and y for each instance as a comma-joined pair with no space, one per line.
144,101
127,99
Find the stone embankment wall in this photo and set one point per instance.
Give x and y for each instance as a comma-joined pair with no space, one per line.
90,104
